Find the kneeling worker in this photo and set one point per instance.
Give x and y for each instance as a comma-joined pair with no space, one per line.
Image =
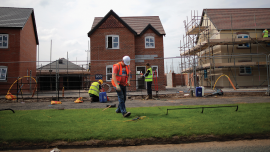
94,90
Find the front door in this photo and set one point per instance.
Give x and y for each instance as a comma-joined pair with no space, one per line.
140,83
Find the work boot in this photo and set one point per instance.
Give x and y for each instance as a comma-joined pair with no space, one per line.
147,97
127,114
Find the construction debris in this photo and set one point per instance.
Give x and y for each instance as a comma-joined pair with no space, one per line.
79,100
56,102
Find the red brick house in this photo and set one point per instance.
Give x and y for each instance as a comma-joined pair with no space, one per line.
18,41
141,38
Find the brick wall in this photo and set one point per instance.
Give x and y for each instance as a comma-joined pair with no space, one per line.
28,53
128,45
21,47
101,57
179,79
10,54
158,50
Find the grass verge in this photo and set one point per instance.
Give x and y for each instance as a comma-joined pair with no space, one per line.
86,124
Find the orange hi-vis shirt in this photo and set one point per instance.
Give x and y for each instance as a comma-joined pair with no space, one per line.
122,73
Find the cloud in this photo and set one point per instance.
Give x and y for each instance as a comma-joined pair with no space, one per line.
44,3
66,22
47,34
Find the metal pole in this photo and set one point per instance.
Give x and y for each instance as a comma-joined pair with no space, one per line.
181,59
38,56
56,75
17,87
51,66
79,86
184,52
37,87
268,72
30,80
58,89
67,72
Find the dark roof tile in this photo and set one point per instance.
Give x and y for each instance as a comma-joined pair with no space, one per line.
14,17
138,23
17,17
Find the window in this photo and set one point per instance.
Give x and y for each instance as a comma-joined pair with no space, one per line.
3,40
109,69
243,36
3,73
149,42
245,70
154,68
112,42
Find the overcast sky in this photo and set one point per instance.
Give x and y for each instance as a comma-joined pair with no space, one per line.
67,22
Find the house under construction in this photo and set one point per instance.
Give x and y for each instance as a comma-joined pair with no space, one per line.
62,73
229,43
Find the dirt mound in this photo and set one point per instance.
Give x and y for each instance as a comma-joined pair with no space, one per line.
128,142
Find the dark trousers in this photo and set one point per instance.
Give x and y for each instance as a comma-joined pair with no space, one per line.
94,98
122,96
149,88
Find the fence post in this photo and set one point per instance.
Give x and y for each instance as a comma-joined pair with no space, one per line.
17,87
30,80
58,88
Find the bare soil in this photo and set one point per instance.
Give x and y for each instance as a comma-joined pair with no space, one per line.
127,142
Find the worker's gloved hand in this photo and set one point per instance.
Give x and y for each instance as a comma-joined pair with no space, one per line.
118,88
128,83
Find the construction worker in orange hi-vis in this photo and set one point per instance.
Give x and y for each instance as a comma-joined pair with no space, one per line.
121,79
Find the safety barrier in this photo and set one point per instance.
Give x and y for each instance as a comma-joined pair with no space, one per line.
202,108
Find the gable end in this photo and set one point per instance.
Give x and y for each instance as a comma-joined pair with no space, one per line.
149,26
111,22
116,17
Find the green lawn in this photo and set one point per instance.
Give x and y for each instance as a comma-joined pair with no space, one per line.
85,124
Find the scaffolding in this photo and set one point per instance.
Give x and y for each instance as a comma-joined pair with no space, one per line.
207,52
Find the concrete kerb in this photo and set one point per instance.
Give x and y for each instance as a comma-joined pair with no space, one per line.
175,90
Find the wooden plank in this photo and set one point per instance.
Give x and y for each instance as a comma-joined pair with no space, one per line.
203,45
195,30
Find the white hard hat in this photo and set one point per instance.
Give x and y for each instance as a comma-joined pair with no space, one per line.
126,60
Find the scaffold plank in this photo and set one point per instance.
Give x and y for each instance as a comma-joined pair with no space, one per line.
224,65
213,42
196,30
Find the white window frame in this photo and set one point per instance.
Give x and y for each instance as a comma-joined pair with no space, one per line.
244,69
109,66
2,40
4,78
153,70
243,36
149,37
107,41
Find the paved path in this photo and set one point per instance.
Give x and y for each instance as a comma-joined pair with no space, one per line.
69,103
84,93
228,146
